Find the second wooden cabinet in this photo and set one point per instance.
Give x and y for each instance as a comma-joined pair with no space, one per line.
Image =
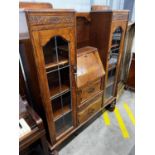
107,31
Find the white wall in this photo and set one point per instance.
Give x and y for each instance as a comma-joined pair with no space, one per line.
78,5
81,5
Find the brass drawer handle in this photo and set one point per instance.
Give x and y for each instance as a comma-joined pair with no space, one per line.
90,90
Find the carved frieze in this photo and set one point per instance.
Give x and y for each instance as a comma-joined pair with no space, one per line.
120,16
47,20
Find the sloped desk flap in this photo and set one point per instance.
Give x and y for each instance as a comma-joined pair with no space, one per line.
89,66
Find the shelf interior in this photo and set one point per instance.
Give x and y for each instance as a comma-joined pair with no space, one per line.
56,58
109,92
55,53
110,81
63,124
57,91
53,65
59,82
111,66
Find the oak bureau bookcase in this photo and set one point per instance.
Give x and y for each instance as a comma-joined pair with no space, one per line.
72,62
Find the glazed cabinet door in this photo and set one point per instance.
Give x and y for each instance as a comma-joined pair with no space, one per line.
52,35
114,58
57,50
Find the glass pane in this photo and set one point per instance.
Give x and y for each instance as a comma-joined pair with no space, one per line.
63,123
111,77
59,82
68,121
112,62
56,53
61,105
62,113
59,126
109,92
57,108
50,55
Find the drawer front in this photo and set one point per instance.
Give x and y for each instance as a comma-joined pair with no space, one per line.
90,110
120,16
89,91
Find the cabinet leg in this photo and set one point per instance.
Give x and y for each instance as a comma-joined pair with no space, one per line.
44,145
54,152
111,107
126,87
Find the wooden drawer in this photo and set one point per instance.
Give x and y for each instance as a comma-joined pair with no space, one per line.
120,16
90,110
88,91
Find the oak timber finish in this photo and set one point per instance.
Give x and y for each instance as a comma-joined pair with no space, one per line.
90,31
89,90
90,74
100,7
83,22
44,25
103,25
120,15
92,108
89,66
35,5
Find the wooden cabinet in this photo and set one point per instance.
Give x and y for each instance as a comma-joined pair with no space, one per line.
107,34
52,33
68,89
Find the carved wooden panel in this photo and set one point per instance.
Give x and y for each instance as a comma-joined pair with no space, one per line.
120,16
44,20
38,20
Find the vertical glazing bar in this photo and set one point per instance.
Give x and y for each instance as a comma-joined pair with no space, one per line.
59,75
70,80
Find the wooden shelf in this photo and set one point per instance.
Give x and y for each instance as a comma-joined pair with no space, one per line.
110,81
56,92
111,67
64,48
115,45
62,61
60,112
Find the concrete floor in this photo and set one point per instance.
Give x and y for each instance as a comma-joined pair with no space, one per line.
100,139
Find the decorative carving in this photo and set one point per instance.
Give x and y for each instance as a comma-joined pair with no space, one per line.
120,17
45,20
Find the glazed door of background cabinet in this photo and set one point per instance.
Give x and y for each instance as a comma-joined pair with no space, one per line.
57,53
114,57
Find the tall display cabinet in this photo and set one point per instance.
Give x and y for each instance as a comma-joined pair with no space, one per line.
53,59
108,30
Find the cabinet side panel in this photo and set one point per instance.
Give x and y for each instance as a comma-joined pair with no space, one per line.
100,33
